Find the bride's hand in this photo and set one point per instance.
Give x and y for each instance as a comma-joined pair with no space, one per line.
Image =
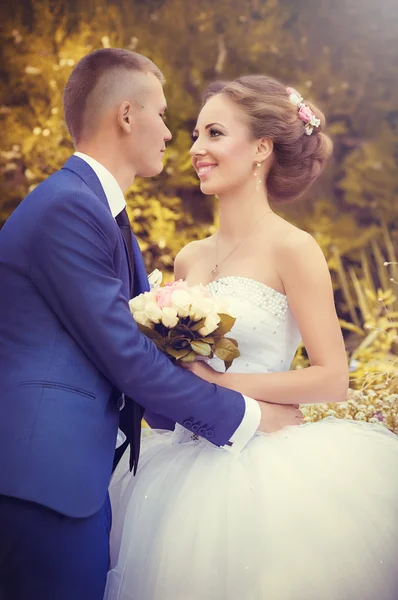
202,370
275,417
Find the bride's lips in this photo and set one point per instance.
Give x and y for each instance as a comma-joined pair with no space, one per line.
204,169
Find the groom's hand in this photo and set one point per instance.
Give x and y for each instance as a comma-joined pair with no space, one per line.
275,417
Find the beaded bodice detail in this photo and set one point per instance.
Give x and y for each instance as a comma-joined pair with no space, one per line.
265,330
258,293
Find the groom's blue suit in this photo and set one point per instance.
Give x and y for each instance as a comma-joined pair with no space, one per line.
68,350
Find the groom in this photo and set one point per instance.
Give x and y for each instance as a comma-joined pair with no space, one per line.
71,356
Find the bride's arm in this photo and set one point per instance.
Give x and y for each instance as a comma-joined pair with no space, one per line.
306,279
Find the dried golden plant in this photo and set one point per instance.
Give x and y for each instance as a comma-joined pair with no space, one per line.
370,293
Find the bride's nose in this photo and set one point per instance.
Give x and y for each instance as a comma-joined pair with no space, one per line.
196,150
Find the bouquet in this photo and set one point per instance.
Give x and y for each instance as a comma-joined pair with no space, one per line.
186,322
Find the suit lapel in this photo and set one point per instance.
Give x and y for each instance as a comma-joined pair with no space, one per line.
87,174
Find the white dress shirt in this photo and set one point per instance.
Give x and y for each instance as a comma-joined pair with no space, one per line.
111,188
117,203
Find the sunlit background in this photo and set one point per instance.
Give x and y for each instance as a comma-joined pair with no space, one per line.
342,54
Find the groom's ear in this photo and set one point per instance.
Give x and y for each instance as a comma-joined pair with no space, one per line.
125,116
265,147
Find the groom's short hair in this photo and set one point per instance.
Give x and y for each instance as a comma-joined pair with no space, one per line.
88,72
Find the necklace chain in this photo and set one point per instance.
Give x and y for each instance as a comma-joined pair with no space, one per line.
216,266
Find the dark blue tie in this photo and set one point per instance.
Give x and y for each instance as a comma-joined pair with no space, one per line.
132,413
122,220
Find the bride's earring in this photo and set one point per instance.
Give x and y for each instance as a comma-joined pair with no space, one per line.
256,175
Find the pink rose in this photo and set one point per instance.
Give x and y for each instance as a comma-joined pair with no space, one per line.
177,285
163,296
305,114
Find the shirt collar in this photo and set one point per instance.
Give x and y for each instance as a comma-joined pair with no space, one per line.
111,188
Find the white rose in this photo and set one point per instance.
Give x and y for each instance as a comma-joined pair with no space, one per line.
137,303
155,278
210,325
200,308
169,317
153,312
141,318
222,306
181,301
199,291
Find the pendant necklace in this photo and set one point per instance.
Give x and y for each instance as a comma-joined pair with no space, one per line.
217,265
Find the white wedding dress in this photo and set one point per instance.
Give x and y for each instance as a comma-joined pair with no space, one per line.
308,513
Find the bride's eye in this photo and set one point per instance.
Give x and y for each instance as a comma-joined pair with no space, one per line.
215,133
194,137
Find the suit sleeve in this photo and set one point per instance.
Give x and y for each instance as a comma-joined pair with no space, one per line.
72,266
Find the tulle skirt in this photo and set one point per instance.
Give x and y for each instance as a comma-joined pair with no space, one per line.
308,513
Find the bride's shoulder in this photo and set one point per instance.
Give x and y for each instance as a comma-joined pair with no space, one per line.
297,251
292,246
189,254
288,238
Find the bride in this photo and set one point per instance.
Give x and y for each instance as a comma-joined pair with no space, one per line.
309,512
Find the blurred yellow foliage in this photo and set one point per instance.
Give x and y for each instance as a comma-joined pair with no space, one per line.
334,57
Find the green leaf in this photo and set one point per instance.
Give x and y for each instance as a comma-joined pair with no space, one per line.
190,358
179,341
183,329
201,348
160,344
176,353
207,340
225,325
198,325
226,350
152,334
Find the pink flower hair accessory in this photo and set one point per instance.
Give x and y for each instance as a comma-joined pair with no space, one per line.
304,111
